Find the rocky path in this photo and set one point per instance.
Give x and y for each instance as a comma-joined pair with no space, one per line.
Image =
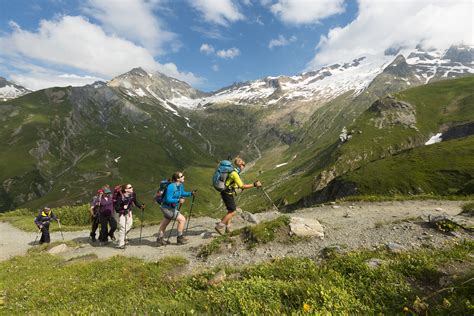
347,226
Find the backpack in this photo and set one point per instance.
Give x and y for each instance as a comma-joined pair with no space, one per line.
161,193
220,175
117,191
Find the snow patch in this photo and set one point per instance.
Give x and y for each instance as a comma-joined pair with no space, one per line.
281,165
117,159
435,139
140,92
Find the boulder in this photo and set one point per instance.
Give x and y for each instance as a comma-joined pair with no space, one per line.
306,227
249,217
58,249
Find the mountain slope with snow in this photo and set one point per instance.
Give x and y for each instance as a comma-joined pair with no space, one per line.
9,90
415,67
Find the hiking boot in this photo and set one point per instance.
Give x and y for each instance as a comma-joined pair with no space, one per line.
220,229
181,240
93,238
160,241
112,237
228,229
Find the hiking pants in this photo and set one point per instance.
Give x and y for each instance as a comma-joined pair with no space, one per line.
104,220
125,221
45,238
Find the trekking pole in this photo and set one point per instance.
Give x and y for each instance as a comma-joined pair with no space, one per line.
37,235
189,217
60,230
268,197
125,230
172,226
141,226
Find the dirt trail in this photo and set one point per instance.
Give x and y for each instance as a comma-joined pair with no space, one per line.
348,225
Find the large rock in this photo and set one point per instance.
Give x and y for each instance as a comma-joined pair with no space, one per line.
58,249
249,217
306,227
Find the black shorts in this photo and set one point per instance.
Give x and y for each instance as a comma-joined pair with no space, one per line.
229,202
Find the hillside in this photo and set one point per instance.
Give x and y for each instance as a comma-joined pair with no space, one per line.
63,143
396,124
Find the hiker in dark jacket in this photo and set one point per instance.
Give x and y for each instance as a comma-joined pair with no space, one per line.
106,216
170,207
232,183
43,221
123,206
94,209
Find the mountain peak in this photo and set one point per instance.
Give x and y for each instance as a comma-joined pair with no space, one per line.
10,90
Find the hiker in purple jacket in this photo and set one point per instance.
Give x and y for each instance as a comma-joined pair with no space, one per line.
106,216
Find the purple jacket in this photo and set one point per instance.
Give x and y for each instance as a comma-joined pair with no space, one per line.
106,206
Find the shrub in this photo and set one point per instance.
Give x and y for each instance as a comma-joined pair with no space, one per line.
468,209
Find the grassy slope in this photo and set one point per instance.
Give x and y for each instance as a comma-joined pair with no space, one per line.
343,284
147,154
442,168
444,103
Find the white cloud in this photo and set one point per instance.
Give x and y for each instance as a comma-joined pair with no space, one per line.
133,20
228,53
215,67
281,41
306,11
41,80
220,12
72,41
383,24
206,49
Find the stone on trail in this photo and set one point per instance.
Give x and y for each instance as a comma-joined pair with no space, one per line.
249,217
306,227
58,249
394,247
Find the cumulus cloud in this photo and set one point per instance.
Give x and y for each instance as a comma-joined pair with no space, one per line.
72,41
133,20
44,79
306,11
281,41
207,49
222,12
228,53
384,24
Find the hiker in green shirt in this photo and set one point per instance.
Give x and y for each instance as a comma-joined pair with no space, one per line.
232,183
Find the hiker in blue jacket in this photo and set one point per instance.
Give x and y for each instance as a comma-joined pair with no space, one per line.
174,198
43,221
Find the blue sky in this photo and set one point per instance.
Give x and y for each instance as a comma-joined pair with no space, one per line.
211,43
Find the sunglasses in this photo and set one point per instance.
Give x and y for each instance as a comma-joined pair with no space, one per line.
181,176
129,187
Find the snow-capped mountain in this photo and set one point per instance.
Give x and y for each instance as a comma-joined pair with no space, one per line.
9,90
414,67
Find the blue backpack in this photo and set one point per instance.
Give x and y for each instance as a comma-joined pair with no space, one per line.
161,193
220,175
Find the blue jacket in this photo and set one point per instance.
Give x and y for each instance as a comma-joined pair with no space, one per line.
173,193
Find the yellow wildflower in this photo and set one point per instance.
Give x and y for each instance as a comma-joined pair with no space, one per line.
306,307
